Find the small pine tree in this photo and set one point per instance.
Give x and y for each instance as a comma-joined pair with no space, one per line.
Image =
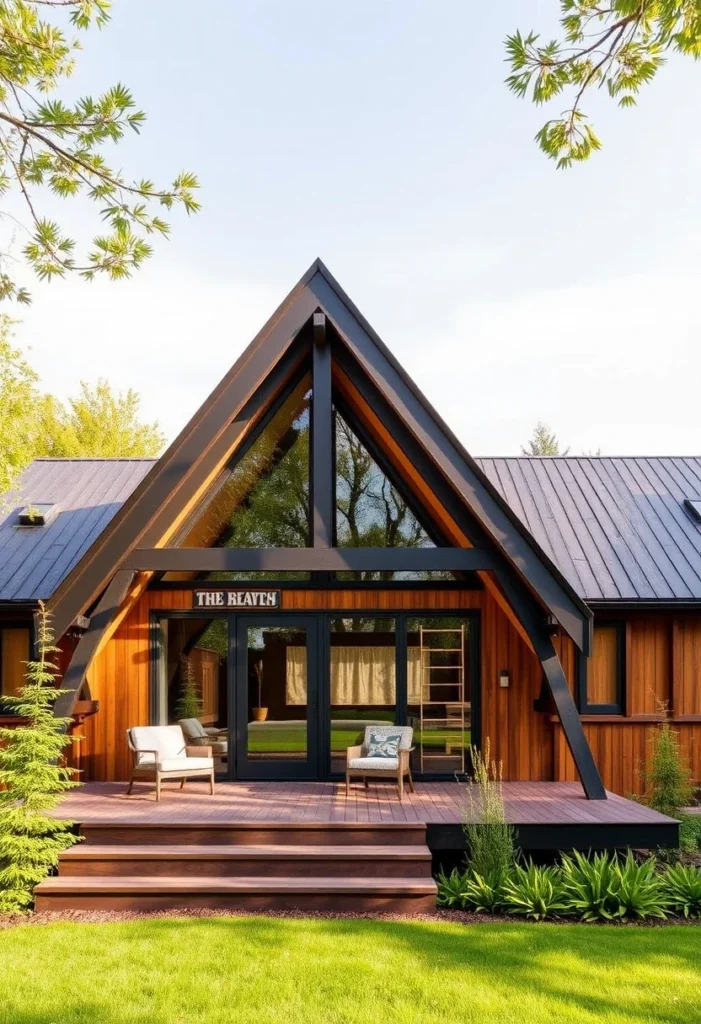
543,442
33,779
189,704
667,775
489,836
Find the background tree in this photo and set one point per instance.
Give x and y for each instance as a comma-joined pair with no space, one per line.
18,395
33,779
543,442
97,423
619,45
48,144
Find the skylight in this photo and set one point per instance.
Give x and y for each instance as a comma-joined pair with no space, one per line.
693,505
35,514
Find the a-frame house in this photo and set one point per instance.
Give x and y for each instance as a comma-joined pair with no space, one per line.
315,518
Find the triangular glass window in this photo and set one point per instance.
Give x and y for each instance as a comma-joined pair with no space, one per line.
370,511
261,500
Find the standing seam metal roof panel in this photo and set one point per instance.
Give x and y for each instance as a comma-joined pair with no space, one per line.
629,520
88,492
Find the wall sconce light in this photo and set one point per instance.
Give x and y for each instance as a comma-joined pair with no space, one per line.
504,680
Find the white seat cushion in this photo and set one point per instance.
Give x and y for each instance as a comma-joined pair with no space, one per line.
375,764
167,740
185,764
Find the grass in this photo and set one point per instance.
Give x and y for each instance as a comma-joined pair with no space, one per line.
264,970
295,740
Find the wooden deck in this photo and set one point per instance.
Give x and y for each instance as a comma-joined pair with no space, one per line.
545,814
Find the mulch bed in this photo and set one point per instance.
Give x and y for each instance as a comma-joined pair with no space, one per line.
440,916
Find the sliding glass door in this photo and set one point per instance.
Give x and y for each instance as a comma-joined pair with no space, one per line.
276,697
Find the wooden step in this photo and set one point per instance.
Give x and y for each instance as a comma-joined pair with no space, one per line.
390,895
252,834
294,861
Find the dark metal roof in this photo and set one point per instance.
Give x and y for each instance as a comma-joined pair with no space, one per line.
87,493
616,527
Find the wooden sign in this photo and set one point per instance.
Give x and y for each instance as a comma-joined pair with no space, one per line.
230,598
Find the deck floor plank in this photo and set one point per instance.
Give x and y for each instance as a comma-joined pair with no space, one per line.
321,802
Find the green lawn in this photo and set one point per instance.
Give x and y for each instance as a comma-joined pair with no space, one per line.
286,971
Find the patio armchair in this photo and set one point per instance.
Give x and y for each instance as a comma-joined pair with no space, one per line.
198,735
361,764
160,752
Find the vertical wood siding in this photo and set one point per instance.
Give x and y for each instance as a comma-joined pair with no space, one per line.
663,664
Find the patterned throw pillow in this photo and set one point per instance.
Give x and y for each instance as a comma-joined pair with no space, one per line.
380,745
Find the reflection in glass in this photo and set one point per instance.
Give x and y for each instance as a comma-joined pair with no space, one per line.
277,707
370,512
192,687
439,693
363,681
261,501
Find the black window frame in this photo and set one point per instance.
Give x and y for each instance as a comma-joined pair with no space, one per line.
619,707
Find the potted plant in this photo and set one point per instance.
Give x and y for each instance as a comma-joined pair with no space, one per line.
259,713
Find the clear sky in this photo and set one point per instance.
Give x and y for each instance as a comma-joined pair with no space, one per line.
380,137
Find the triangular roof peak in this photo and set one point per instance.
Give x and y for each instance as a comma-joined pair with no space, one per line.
367,369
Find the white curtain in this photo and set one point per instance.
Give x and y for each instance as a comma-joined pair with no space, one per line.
359,675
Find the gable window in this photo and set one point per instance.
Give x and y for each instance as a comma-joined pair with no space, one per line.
370,510
14,652
602,676
262,499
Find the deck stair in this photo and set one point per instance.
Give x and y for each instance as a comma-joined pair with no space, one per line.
166,866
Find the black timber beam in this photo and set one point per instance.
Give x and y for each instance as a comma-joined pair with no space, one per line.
309,559
322,475
448,454
556,684
89,642
179,474
516,592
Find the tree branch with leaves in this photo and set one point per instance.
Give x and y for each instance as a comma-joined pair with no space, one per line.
47,143
618,45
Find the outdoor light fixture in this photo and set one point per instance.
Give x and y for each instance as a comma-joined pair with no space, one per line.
504,680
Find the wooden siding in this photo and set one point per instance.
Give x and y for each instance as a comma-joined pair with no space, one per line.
663,664
663,669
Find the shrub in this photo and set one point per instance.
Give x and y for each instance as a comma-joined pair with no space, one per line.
189,704
451,888
689,832
485,895
667,776
682,887
537,892
32,781
604,887
490,838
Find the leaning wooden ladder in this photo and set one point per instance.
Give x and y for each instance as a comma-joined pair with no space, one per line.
431,689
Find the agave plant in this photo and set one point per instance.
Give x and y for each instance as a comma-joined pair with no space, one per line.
588,886
485,894
535,891
682,887
451,888
639,888
610,888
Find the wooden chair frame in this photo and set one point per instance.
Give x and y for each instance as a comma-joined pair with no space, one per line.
404,769
147,771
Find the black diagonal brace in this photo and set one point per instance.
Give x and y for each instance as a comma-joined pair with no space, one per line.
89,642
556,683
